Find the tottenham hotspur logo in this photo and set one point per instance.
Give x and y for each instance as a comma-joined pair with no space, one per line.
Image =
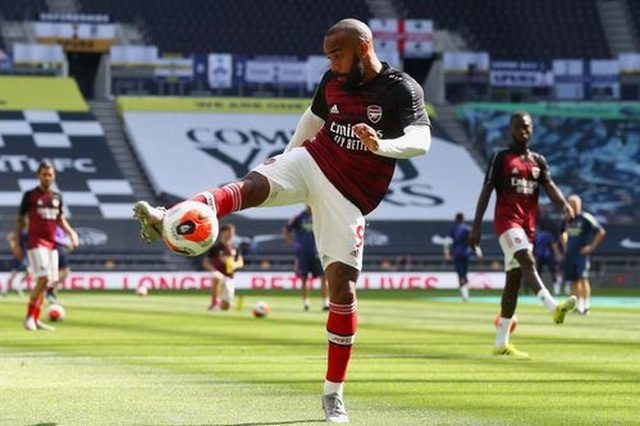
374,113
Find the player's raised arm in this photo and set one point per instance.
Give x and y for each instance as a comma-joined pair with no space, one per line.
415,141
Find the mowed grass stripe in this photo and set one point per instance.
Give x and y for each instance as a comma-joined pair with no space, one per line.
415,362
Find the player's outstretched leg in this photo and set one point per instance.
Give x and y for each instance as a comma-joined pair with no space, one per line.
562,308
223,200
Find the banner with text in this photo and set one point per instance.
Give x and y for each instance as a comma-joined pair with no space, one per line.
76,37
99,281
184,153
521,74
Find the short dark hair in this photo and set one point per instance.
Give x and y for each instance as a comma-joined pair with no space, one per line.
459,217
227,227
519,114
45,164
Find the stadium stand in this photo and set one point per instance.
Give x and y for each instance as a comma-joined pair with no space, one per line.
60,127
634,9
205,26
516,30
24,10
509,30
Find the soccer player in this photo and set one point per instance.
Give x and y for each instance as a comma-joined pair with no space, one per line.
516,174
580,238
458,244
222,260
364,116
42,207
62,247
18,263
547,252
299,232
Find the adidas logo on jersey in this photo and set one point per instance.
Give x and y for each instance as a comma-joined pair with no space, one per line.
334,109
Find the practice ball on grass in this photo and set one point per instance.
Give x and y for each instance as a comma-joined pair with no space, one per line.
514,323
142,291
56,313
261,309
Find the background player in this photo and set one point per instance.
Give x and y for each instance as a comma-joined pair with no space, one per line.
42,207
222,260
547,252
516,174
457,246
299,232
18,263
340,161
580,238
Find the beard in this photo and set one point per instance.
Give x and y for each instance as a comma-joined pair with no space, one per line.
355,76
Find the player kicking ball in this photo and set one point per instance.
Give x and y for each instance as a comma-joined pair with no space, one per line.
364,116
516,174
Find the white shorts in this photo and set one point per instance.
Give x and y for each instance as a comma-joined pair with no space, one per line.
43,262
512,241
338,225
228,287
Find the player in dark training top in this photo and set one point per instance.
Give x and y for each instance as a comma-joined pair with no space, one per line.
299,232
580,238
365,115
516,174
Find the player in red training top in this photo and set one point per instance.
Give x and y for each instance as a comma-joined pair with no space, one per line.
222,260
516,174
41,207
365,115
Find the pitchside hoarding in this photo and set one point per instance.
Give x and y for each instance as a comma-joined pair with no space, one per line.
159,281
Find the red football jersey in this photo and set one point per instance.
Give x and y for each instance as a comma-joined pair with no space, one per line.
517,179
42,210
388,103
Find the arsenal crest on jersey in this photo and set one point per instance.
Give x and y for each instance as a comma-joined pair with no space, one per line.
374,113
535,171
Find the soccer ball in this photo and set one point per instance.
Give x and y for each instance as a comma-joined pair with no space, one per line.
142,291
190,228
56,313
261,309
512,327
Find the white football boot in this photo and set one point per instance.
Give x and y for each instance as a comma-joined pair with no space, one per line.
150,220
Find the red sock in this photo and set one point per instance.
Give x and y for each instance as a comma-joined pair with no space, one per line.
31,308
228,198
341,329
36,312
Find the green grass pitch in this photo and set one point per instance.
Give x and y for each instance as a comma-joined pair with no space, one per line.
118,359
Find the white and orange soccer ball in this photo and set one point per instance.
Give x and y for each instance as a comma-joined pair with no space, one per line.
190,228
512,327
56,313
142,291
261,309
